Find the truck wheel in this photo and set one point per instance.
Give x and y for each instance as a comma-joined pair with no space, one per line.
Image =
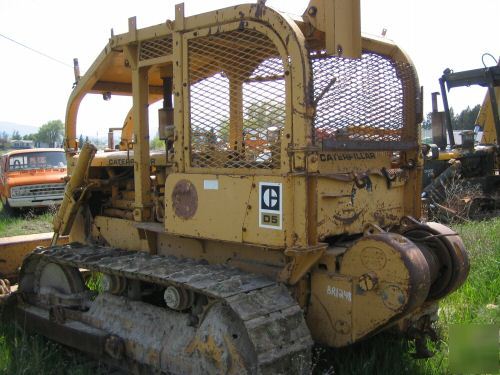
7,207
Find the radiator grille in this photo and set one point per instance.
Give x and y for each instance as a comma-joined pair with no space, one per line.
363,103
237,100
30,191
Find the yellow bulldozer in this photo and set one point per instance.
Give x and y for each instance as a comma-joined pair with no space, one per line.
284,210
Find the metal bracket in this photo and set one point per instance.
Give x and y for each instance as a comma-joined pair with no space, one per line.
302,261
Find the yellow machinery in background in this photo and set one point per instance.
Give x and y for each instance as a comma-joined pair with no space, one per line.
283,211
470,169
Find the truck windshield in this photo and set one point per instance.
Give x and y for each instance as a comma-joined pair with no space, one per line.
37,160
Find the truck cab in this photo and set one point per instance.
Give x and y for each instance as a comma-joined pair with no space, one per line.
32,178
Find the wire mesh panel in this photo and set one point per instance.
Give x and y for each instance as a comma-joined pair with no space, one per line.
155,48
365,103
237,100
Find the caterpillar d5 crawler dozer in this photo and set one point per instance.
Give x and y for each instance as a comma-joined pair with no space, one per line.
282,211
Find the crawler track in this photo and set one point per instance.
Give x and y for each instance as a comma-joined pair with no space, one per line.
273,321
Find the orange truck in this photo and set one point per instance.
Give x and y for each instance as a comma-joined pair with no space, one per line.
32,178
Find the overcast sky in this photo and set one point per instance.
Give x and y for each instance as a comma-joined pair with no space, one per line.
34,89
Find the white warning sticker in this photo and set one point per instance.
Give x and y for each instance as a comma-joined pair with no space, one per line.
211,184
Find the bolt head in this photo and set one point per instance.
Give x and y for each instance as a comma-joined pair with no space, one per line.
312,11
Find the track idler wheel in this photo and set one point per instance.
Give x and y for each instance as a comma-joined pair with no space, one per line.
445,253
46,283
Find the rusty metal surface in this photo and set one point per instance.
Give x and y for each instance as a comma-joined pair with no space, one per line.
185,199
332,144
447,248
14,249
402,280
272,319
72,333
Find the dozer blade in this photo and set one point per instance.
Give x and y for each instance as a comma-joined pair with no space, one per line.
14,249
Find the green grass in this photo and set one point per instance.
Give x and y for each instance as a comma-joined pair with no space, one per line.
475,302
25,221
476,299
24,354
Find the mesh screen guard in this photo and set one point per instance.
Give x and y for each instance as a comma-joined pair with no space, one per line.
237,100
364,104
155,48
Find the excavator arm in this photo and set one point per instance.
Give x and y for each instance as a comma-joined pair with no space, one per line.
488,117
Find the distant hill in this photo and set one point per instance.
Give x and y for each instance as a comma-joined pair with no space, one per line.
9,128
